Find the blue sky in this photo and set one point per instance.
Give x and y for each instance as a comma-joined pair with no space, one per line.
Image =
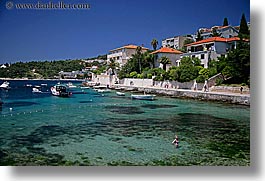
27,35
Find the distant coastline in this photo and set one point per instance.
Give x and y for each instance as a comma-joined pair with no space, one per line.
43,79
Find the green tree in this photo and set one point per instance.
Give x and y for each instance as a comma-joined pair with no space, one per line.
139,57
215,33
112,65
243,30
164,60
199,37
154,43
237,64
186,41
188,69
225,23
149,58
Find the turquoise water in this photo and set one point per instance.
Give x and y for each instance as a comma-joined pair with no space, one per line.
104,129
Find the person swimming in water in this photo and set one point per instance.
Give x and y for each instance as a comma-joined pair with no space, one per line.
176,141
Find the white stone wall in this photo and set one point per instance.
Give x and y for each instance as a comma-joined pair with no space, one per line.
137,82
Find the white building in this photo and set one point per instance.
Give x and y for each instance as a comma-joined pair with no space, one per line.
176,42
3,66
224,31
172,54
123,54
210,49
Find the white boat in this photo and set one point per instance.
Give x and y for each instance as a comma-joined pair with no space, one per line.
120,93
143,96
28,85
84,87
70,85
60,90
89,84
5,85
102,90
36,90
100,87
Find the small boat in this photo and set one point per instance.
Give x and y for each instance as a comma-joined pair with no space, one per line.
70,85
120,93
143,96
60,90
89,84
102,90
36,90
43,84
28,85
5,85
100,87
84,87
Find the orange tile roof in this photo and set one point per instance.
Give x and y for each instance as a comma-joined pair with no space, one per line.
167,50
129,47
214,39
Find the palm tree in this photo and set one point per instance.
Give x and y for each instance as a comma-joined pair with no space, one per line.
112,65
138,55
154,43
164,60
149,58
199,37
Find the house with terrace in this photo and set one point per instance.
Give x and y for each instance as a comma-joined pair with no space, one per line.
122,54
172,54
210,49
223,31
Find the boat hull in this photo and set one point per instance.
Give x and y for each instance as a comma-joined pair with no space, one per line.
143,97
120,93
60,92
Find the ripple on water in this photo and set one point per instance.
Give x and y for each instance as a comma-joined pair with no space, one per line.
158,106
19,104
124,109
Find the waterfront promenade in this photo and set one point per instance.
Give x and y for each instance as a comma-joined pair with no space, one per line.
228,97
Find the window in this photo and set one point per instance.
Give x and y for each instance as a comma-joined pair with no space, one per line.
202,56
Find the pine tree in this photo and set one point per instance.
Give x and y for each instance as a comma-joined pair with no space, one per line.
225,23
243,26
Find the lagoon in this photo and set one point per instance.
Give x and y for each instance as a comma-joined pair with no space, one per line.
92,128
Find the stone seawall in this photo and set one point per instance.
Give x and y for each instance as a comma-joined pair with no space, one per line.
242,99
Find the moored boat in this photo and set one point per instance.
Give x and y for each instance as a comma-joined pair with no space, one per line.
70,85
120,93
60,90
143,96
101,89
5,85
36,90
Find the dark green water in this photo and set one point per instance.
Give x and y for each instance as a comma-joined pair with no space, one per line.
95,129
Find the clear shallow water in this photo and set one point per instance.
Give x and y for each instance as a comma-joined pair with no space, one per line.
95,129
